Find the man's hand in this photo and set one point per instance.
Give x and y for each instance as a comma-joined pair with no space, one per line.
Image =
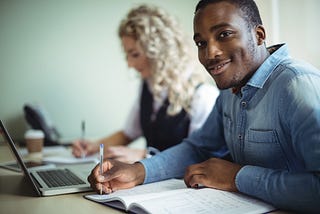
116,175
214,173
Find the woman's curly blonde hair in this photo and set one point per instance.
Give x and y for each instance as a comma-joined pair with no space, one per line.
172,60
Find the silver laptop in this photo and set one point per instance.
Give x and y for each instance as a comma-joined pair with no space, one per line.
53,181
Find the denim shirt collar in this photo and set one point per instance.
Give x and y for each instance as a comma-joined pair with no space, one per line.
268,66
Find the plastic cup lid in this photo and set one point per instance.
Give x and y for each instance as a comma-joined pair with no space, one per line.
33,134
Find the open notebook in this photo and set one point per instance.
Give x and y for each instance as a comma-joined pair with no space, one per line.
53,181
172,196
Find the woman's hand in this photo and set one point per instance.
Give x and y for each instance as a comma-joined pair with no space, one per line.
84,148
124,154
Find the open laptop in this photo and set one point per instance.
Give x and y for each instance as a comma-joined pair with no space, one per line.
53,181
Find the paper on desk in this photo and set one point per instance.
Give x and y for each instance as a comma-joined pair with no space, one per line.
70,160
61,155
48,150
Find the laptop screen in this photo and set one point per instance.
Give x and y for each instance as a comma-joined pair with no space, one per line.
14,149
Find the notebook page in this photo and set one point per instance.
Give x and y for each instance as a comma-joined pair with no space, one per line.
167,185
205,201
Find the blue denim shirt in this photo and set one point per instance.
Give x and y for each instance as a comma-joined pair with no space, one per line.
271,127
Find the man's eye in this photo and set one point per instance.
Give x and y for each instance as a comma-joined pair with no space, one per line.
225,34
200,44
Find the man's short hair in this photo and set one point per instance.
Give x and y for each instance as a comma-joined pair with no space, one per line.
248,8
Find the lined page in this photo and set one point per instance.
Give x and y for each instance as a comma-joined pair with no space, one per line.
205,200
162,186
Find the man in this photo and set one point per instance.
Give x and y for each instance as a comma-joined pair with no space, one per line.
267,114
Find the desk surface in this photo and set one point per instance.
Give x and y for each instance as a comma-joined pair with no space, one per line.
16,196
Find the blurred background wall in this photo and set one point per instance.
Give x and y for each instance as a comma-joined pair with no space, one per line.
65,55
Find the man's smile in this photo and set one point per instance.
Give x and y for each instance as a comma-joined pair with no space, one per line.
218,68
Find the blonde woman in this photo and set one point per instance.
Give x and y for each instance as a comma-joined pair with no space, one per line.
174,99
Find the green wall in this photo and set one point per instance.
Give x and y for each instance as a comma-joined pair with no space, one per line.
65,55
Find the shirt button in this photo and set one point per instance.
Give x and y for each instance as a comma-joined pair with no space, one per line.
239,136
243,104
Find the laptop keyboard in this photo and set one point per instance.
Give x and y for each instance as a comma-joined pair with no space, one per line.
59,177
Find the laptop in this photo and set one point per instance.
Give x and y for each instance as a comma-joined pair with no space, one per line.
52,181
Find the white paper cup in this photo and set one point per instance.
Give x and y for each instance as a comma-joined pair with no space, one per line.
34,141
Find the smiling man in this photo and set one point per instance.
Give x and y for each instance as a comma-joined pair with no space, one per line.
267,115
230,48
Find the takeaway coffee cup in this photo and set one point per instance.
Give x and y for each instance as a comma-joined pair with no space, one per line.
34,142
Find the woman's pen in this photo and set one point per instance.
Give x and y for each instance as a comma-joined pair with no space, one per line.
83,131
101,161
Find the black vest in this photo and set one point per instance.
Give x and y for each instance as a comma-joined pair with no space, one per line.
165,130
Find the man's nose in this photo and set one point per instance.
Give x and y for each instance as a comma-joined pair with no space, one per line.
213,50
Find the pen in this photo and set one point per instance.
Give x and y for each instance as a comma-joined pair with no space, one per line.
101,161
83,132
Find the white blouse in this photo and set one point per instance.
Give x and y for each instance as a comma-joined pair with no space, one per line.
201,105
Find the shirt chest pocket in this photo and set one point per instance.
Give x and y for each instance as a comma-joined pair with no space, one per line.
227,125
262,148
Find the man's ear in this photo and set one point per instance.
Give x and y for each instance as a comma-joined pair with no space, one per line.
260,34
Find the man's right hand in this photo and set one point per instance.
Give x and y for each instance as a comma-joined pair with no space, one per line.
116,175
